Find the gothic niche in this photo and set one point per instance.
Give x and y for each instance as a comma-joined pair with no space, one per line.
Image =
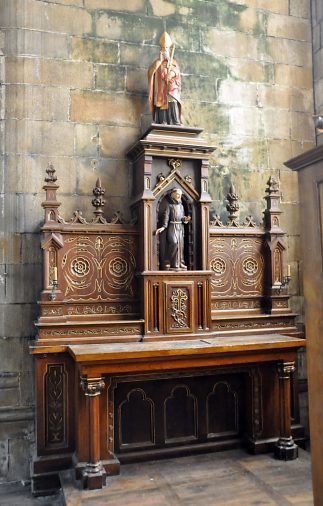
180,415
136,420
222,411
175,222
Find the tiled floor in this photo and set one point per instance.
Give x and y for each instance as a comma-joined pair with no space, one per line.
231,478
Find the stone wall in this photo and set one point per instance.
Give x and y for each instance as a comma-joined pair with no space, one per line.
317,23
74,93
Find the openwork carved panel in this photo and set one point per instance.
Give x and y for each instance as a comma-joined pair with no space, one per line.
99,268
55,394
237,264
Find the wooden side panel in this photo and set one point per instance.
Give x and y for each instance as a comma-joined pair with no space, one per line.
311,196
55,395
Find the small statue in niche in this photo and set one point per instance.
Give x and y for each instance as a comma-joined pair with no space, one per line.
172,219
164,85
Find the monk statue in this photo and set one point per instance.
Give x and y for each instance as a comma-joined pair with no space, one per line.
172,220
164,85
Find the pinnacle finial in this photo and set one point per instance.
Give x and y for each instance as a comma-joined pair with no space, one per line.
272,185
51,176
233,205
98,201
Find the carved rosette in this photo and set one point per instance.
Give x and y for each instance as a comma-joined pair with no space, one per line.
92,386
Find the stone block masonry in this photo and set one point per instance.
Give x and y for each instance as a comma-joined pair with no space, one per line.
74,93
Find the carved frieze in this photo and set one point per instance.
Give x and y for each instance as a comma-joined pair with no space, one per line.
228,304
53,311
252,324
97,309
91,332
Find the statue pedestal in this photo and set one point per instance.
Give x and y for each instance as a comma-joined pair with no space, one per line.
176,304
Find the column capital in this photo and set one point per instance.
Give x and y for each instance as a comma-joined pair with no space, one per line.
92,386
285,369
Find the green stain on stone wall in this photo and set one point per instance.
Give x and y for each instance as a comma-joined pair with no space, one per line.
229,13
94,50
211,117
245,165
202,64
203,88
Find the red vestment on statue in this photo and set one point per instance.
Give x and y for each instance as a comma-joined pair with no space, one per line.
164,84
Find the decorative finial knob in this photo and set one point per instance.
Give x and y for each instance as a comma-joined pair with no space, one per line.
233,205
98,201
272,185
51,177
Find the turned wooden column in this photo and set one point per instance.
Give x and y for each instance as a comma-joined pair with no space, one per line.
94,474
285,448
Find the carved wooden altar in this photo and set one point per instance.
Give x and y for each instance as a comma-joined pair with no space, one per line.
137,361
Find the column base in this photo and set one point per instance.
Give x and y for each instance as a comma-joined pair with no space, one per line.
286,449
94,477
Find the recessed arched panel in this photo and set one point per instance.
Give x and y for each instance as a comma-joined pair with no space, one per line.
180,415
136,420
222,410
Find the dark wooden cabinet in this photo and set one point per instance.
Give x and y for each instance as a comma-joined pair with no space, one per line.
309,166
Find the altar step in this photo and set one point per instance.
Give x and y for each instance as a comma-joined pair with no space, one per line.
229,478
